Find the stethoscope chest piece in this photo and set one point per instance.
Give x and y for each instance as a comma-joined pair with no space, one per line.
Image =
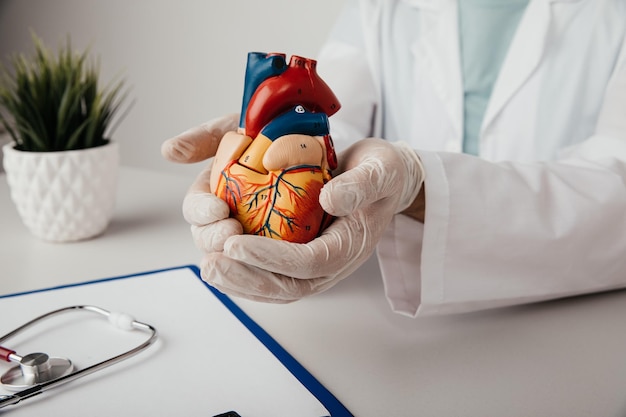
34,368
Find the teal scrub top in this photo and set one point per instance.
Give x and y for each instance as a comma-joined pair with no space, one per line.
486,28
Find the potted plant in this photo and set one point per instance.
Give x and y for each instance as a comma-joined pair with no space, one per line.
61,165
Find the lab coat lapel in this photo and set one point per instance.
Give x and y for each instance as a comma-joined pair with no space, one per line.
438,49
524,55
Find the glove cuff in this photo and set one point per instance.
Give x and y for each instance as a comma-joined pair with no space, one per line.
415,175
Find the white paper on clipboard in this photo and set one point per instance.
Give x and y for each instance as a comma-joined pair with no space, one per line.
210,357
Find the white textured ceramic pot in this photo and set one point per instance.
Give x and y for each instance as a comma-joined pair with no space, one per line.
64,196
4,139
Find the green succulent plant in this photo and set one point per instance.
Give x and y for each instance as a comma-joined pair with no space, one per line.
54,103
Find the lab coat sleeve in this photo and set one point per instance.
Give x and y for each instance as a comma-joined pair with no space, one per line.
506,233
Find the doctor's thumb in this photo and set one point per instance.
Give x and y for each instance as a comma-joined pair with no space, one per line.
350,191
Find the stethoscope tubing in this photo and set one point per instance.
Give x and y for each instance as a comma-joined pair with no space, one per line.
47,385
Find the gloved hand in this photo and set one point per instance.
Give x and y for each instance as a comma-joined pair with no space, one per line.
199,143
207,213
378,179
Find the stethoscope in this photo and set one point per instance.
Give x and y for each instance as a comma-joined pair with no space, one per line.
37,372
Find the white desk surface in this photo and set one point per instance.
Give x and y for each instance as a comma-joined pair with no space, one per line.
565,358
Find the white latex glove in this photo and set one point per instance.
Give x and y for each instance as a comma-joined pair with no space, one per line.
199,143
379,179
207,213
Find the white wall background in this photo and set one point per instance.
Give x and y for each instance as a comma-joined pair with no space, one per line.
184,60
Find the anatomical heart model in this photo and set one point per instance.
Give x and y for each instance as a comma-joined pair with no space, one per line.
271,170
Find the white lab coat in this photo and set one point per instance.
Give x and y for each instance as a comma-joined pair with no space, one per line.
542,213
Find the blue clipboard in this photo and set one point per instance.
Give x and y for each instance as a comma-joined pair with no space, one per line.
123,290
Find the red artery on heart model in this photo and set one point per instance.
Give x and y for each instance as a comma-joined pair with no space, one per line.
271,170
